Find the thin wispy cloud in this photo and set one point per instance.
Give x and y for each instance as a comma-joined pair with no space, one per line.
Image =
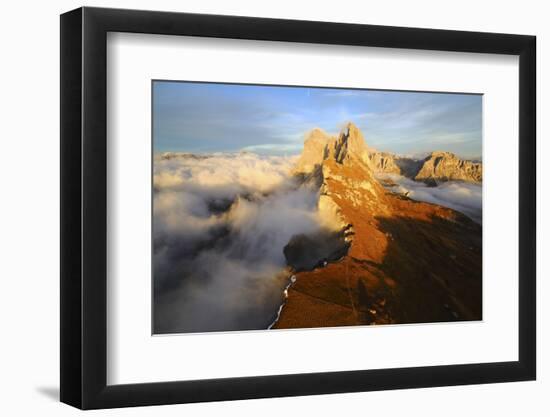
345,93
274,148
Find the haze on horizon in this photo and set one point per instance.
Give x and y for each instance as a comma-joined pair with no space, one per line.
272,120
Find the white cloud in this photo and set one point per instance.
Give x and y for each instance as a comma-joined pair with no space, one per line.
220,226
461,196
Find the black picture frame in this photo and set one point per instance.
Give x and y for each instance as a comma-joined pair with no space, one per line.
84,207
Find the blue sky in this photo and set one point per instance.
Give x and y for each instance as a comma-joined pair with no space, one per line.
211,117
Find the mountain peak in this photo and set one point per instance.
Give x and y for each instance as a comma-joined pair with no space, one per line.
350,144
442,154
445,166
352,129
320,146
315,143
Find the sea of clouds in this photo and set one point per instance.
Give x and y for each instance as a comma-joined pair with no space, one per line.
220,225
461,196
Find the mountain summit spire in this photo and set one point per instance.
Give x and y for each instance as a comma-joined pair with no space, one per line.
350,144
320,146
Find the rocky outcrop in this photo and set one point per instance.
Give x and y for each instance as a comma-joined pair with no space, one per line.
349,145
338,165
445,166
384,162
437,167
319,146
315,146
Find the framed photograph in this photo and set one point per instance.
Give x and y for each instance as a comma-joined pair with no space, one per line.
256,208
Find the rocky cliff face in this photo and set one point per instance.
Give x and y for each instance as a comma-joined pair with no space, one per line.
445,166
384,162
405,261
313,154
319,147
339,166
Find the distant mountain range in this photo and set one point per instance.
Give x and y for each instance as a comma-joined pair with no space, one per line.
438,166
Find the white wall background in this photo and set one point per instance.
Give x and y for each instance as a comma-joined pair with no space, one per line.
29,237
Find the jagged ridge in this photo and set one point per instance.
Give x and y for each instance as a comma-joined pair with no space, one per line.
407,261
438,166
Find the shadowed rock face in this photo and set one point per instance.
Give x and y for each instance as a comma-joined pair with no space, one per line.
349,145
405,261
306,252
